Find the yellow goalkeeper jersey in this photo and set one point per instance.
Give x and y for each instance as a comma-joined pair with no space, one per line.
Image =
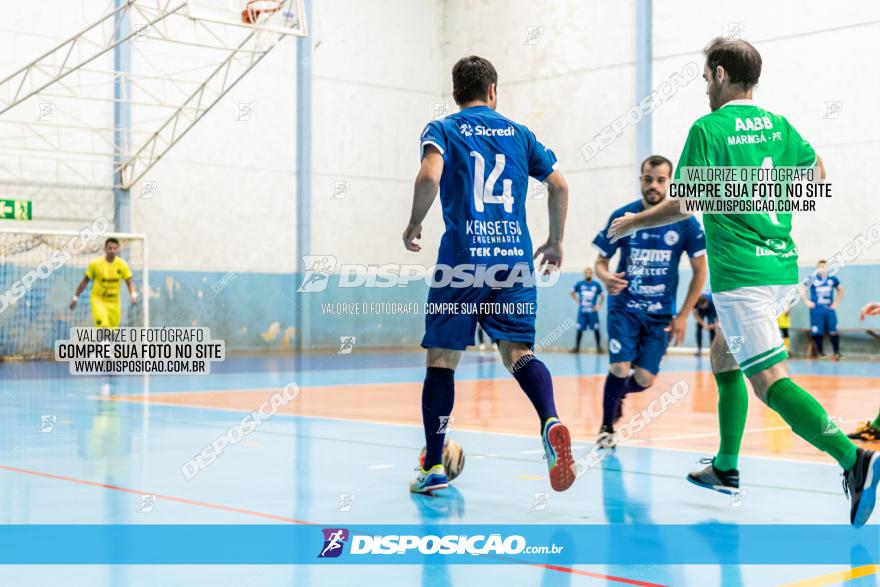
107,278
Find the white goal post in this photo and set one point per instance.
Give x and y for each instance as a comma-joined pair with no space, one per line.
39,272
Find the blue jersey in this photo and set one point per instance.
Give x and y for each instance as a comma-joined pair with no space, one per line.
487,162
588,294
650,259
822,290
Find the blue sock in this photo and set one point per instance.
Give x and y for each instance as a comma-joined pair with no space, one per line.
535,380
438,395
611,397
631,386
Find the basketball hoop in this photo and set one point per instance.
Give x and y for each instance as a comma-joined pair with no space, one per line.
258,11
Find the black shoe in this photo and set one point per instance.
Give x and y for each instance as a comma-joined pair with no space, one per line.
860,485
865,433
606,438
600,350
575,350
837,356
713,478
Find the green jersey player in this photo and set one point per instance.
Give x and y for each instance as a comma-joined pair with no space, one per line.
753,267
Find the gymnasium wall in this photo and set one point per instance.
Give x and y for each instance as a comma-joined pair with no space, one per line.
27,164
222,217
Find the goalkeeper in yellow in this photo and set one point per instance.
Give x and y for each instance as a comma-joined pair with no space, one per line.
107,272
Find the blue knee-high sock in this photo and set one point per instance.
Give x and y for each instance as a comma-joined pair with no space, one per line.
534,379
438,395
611,397
631,386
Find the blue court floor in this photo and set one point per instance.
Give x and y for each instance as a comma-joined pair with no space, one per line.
69,455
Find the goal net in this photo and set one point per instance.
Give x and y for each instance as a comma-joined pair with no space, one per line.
39,272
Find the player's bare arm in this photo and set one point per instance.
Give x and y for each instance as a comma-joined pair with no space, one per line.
839,297
698,280
424,194
601,299
805,298
557,207
79,289
614,282
666,212
132,291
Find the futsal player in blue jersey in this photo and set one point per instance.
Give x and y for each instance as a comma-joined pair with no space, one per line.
481,162
823,309
588,294
642,293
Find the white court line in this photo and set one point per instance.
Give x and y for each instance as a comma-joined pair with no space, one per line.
460,429
380,467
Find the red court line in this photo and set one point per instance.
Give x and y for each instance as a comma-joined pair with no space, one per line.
598,576
283,518
168,497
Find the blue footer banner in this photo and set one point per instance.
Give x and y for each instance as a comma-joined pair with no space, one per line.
277,544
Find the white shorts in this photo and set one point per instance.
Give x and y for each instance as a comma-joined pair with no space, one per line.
750,327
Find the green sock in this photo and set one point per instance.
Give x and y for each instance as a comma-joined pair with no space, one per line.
809,420
876,422
733,406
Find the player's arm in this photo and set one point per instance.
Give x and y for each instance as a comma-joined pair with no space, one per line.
694,154
804,298
599,301
132,291
557,208
698,280
425,191
839,297
574,296
666,212
614,282
79,289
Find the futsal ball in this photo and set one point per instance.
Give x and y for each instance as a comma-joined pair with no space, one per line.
453,459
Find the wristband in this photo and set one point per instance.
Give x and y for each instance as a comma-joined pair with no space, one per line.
75,298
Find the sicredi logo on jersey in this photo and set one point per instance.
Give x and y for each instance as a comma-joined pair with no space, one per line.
481,131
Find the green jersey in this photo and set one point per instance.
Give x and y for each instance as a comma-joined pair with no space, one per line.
747,249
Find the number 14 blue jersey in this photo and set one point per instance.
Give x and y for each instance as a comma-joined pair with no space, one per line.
487,162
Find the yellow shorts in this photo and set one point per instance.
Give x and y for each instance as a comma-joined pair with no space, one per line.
106,313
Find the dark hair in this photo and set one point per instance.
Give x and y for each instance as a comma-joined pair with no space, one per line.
821,262
111,240
654,161
740,60
471,78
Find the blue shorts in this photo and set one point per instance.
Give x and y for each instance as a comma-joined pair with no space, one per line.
823,320
637,338
455,329
588,320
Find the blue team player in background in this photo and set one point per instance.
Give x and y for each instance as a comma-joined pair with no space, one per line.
588,294
481,162
706,317
823,309
641,304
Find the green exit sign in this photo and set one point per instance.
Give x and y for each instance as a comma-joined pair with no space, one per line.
16,210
